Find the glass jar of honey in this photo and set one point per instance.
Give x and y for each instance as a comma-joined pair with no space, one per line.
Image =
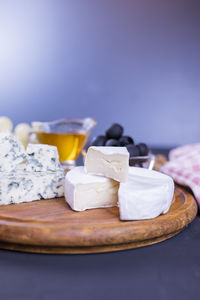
68,135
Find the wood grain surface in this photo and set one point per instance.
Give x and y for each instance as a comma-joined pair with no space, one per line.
50,226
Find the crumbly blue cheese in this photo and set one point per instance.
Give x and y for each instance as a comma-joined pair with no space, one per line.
42,158
21,167
19,186
12,152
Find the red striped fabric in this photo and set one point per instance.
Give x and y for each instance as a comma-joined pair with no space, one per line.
184,167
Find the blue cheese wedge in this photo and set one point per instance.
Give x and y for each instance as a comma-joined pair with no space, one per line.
145,195
12,152
85,191
19,186
111,162
41,158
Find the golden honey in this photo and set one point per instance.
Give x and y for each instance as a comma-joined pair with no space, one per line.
69,144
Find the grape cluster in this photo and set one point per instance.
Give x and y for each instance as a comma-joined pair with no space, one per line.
114,137
21,131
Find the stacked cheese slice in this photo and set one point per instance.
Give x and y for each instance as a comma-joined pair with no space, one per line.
107,180
28,175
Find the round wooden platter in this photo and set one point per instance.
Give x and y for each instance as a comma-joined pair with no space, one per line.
50,226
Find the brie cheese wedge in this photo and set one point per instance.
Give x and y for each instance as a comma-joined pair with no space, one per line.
85,191
111,162
145,195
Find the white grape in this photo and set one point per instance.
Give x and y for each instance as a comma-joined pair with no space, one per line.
22,131
5,124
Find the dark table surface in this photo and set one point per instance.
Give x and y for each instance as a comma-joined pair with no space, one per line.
168,270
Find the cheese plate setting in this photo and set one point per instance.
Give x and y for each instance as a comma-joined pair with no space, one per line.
105,205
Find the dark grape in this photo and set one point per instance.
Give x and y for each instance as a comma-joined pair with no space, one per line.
115,131
99,141
133,150
112,142
126,140
143,149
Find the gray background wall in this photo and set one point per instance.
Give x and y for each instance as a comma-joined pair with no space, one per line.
131,61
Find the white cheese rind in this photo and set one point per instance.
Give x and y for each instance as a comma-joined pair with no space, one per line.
41,158
19,186
85,191
111,162
12,152
145,195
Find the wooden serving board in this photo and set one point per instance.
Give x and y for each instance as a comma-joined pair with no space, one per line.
50,226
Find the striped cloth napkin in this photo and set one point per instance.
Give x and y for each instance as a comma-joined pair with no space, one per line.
184,167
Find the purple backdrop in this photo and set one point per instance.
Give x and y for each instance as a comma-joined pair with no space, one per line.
135,62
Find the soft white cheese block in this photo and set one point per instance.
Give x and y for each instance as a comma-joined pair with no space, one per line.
42,158
145,195
85,191
12,152
23,186
111,162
